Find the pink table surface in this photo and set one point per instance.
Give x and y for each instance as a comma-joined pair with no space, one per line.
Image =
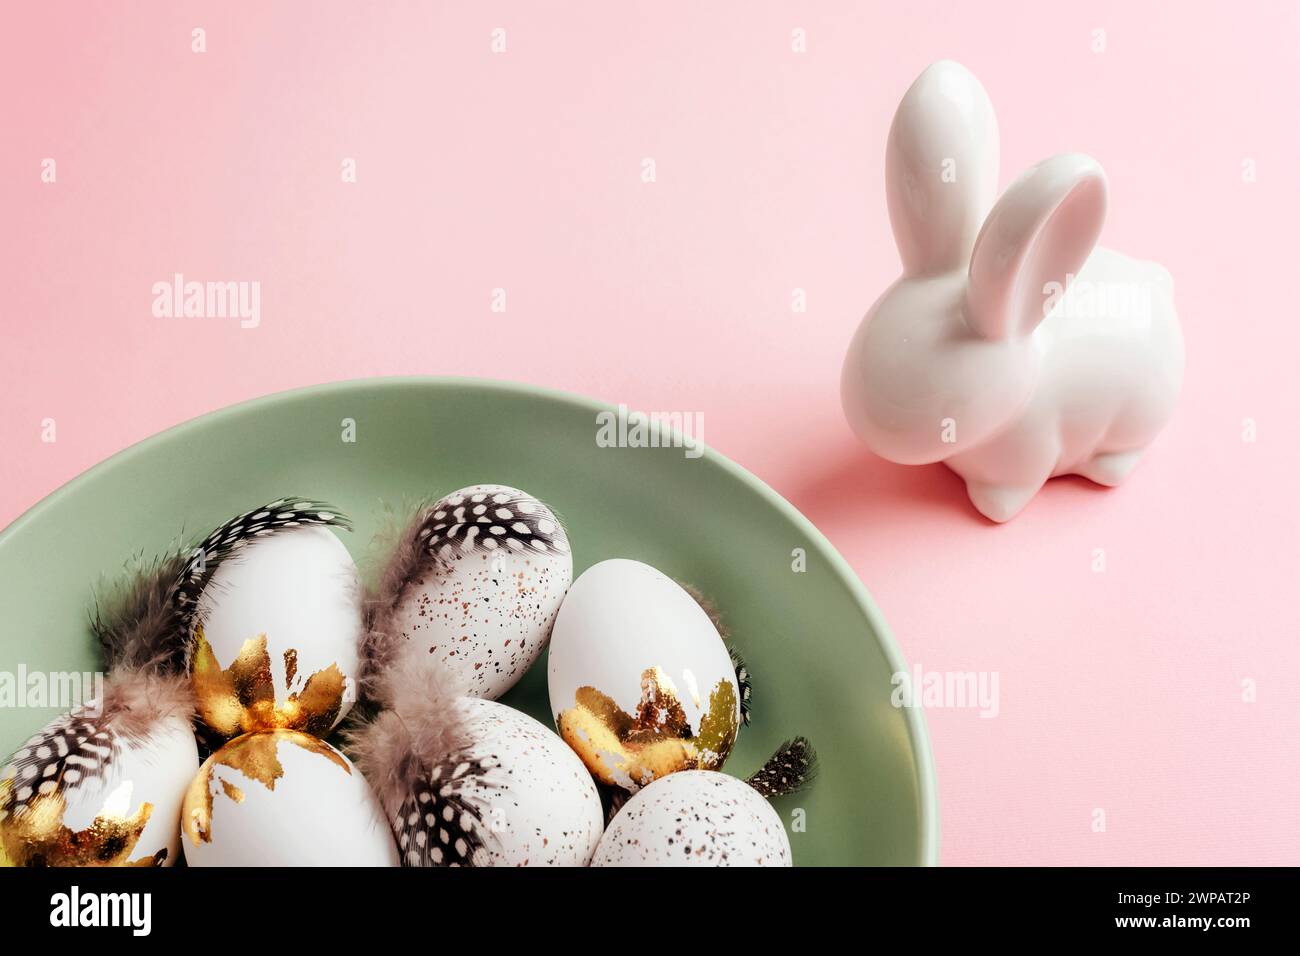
1120,691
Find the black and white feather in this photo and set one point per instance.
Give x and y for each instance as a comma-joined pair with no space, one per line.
282,514
792,768
146,622
436,825
489,521
75,750
742,682
417,754
79,748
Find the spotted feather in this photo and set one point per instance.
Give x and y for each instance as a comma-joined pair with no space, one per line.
488,521
80,747
792,768
77,749
279,515
742,682
436,825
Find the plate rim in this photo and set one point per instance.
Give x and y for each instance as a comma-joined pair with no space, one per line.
917,729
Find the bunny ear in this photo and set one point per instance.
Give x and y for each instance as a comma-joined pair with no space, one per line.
1040,233
941,168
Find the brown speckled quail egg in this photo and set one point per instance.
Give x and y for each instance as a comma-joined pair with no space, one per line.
538,804
695,818
484,609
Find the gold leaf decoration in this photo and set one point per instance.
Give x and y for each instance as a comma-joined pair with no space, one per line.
241,698
37,836
630,751
256,757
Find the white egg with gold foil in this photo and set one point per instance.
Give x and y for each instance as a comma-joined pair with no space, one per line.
475,583
283,798
275,604
695,818
100,786
641,683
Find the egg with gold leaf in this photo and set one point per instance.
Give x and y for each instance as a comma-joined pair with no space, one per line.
101,785
283,798
274,603
474,582
641,683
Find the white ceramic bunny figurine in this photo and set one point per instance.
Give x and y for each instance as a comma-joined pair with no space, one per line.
1011,348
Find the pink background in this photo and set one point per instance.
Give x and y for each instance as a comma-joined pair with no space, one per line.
1120,690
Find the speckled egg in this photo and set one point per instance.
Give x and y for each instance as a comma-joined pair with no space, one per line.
277,631
283,798
695,818
640,681
517,797
89,790
485,606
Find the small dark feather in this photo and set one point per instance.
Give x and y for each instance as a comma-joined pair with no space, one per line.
138,624
613,799
743,681
792,768
436,825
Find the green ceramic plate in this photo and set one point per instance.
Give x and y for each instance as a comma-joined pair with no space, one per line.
820,653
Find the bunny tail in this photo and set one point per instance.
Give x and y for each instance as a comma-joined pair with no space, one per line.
743,681
792,768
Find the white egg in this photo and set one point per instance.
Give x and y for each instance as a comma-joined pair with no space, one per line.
86,792
283,798
695,818
641,683
516,791
542,808
485,606
277,635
